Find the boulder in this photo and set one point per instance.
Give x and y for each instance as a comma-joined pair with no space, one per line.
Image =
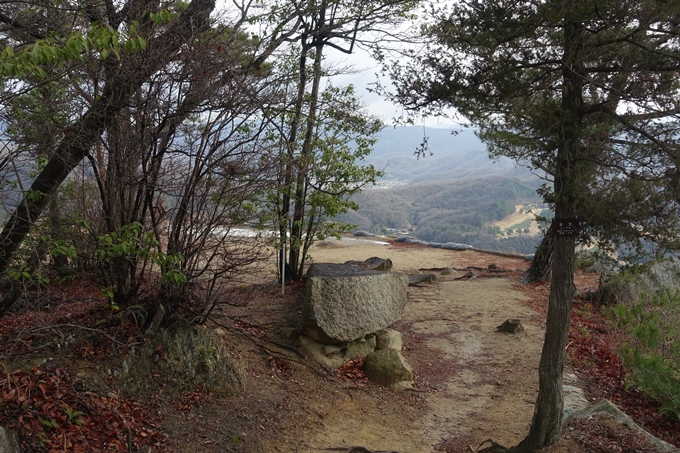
421,278
344,303
334,355
455,246
387,367
9,441
357,263
402,238
328,355
361,347
388,339
363,233
574,399
379,264
447,271
607,408
511,326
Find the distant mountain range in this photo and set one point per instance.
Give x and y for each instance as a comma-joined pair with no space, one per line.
460,156
454,193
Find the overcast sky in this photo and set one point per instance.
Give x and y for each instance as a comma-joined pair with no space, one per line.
367,68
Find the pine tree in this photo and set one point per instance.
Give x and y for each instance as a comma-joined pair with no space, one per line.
585,91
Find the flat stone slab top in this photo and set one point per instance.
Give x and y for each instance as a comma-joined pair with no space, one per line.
344,303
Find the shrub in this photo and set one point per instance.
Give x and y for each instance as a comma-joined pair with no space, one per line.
652,350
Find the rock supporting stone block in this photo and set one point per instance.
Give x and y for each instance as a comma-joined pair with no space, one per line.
387,367
388,339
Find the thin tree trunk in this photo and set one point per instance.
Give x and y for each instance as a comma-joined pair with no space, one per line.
296,264
546,425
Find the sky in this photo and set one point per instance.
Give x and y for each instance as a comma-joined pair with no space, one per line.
367,71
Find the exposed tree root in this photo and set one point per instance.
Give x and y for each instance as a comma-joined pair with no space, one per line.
495,447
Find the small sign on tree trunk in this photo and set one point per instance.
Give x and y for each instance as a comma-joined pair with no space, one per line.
565,227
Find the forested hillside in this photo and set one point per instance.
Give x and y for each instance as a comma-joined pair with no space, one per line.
457,211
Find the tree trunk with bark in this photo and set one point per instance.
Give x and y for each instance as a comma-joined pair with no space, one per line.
540,269
546,425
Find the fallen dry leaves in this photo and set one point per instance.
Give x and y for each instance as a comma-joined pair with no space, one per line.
49,414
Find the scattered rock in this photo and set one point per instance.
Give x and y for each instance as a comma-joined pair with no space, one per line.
574,399
387,367
343,303
455,246
402,238
360,348
334,355
357,263
363,233
606,407
421,278
379,264
9,441
511,326
388,339
447,271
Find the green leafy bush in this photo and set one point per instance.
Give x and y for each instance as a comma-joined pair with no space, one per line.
652,349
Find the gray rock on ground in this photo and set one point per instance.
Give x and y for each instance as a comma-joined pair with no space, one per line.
334,355
344,303
605,407
447,271
387,367
9,441
455,246
511,326
627,287
374,263
388,339
402,238
379,264
363,233
574,399
421,278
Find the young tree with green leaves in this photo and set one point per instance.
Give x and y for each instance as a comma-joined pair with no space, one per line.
337,24
586,91
328,175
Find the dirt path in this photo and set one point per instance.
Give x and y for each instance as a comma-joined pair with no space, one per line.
477,383
470,382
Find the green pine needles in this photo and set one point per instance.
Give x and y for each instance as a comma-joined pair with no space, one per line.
652,349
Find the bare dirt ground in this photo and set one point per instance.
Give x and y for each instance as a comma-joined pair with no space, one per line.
478,383
470,383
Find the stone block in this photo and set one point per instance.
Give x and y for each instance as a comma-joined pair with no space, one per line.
345,303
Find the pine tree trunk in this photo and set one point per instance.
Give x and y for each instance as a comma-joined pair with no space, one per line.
546,425
541,266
